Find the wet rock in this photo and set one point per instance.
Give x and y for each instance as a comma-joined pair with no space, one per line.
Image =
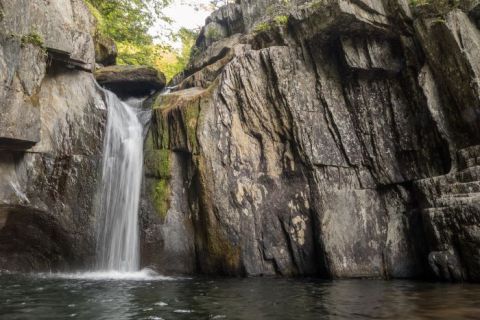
322,145
131,80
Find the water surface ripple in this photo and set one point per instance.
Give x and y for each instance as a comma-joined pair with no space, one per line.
49,297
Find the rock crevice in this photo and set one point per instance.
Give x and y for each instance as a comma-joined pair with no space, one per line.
329,138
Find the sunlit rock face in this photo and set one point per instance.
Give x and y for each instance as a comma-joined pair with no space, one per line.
51,132
336,138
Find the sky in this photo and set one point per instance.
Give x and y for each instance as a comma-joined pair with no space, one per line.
190,14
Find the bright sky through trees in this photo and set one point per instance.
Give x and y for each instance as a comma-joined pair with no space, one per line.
189,14
158,33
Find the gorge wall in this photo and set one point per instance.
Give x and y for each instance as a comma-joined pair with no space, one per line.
337,138
331,137
52,117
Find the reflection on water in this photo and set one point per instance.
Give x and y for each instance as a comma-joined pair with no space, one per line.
46,297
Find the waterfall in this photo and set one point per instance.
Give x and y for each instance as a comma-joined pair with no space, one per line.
119,190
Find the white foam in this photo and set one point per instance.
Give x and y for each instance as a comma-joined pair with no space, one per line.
142,275
183,311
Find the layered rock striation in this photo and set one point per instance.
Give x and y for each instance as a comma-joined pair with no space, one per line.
328,137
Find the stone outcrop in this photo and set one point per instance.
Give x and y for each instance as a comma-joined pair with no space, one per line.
51,135
127,81
105,50
335,137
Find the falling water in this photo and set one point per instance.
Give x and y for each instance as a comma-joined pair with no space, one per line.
119,191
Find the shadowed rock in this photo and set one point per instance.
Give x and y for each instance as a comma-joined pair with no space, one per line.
131,80
105,50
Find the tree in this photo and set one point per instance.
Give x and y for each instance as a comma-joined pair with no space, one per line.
127,22
172,62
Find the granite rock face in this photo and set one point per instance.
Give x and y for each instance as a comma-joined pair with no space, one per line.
51,135
128,81
337,138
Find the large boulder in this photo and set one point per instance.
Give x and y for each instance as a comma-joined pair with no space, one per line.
131,80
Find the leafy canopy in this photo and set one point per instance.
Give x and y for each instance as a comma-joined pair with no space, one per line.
127,22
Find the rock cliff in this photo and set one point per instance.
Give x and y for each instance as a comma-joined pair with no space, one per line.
52,116
331,137
337,138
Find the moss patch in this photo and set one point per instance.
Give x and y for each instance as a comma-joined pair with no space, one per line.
161,190
32,38
164,163
190,118
179,113
275,22
262,27
161,198
281,20
223,252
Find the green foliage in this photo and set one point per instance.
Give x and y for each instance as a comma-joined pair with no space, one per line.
127,22
171,61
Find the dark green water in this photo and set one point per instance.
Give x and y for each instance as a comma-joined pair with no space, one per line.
46,297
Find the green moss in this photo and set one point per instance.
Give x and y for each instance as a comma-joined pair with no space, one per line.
262,27
277,21
161,190
281,20
32,38
161,198
162,138
223,252
164,163
165,136
190,117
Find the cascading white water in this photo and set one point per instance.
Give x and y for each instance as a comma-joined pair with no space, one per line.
119,190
